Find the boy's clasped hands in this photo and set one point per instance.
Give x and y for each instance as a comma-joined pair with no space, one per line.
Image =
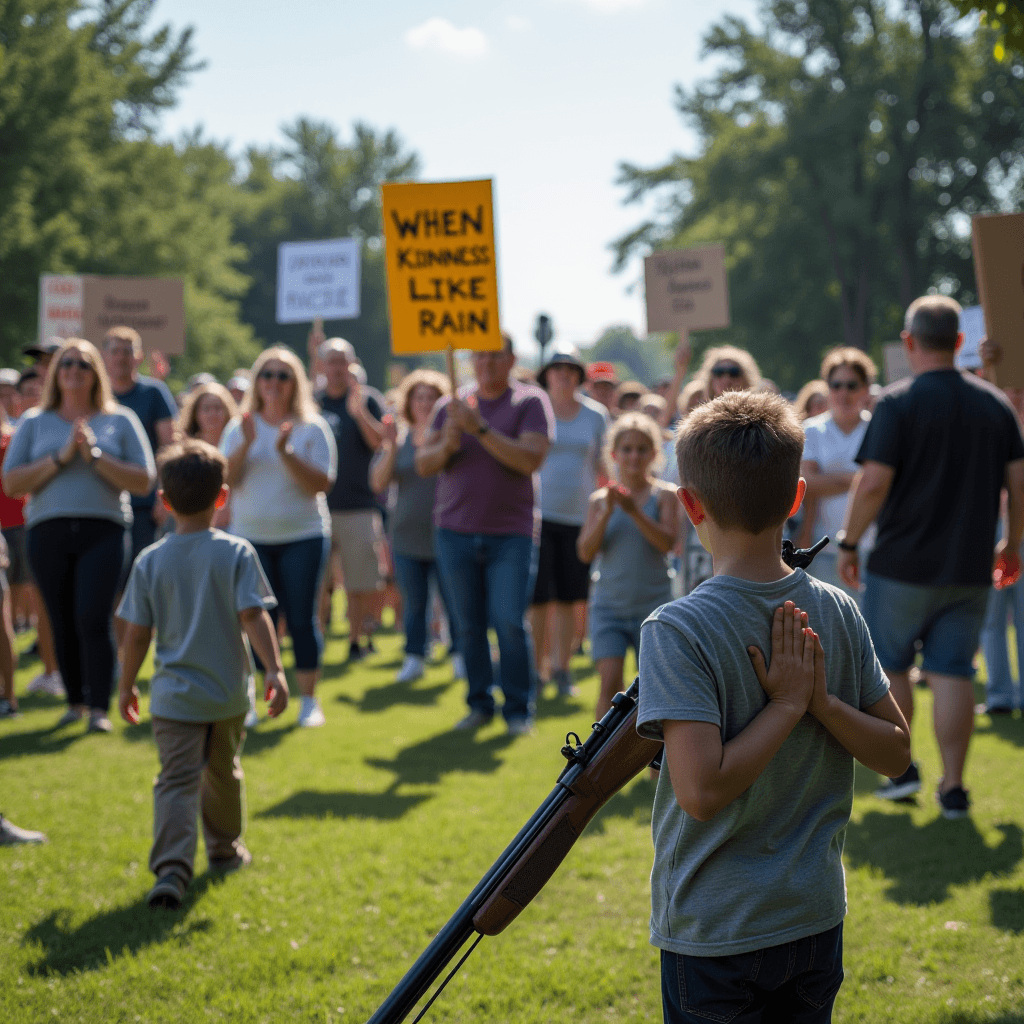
795,678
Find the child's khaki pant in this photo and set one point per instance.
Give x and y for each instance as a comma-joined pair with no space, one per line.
200,772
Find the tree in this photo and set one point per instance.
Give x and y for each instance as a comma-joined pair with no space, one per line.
843,149
321,187
1004,17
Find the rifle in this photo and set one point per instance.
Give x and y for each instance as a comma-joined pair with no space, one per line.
612,755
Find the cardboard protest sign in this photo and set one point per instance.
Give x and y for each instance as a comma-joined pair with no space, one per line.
318,279
998,242
687,289
441,267
897,365
88,305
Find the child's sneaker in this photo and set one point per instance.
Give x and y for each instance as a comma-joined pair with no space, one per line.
955,802
49,683
902,786
311,714
168,892
412,669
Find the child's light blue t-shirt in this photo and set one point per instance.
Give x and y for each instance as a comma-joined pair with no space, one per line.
767,868
191,587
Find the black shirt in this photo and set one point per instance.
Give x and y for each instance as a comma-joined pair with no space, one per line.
351,489
151,400
948,435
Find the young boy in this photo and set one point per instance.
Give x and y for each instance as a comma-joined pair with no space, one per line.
762,717
201,589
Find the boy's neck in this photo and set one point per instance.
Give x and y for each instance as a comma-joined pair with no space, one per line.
194,523
756,557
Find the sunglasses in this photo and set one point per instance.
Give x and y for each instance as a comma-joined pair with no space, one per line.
280,375
726,371
849,385
66,364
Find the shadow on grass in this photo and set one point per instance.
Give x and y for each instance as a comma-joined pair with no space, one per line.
380,698
430,760
1005,727
1007,909
139,733
922,863
633,804
266,737
41,741
387,806
113,934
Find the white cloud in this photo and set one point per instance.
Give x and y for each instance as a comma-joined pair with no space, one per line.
517,24
441,35
609,6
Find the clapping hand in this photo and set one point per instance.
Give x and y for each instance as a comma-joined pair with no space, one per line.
389,429
248,427
283,436
85,439
354,397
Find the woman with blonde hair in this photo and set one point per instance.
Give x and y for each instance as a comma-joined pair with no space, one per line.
282,460
811,400
727,368
411,520
79,455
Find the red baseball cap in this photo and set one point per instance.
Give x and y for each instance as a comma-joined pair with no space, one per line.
602,372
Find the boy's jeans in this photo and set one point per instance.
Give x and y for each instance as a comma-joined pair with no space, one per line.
795,983
200,772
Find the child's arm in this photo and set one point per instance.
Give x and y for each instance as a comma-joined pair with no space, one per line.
878,736
706,774
136,646
660,533
260,631
599,511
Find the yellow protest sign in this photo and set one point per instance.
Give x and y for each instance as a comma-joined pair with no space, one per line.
442,278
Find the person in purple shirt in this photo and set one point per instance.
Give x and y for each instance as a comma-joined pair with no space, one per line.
485,444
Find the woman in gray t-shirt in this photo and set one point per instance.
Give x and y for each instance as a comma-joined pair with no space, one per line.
411,520
78,457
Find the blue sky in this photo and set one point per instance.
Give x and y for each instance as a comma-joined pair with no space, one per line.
543,96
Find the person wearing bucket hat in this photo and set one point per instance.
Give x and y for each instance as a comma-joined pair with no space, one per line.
567,479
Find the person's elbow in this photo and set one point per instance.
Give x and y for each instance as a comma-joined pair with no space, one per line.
699,805
898,756
12,488
142,484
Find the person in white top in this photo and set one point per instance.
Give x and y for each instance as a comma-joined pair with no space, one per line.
832,442
281,461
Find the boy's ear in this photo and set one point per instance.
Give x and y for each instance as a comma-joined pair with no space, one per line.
693,506
222,498
801,490
166,503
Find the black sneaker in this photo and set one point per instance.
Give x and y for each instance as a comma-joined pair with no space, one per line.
902,786
8,710
355,652
955,803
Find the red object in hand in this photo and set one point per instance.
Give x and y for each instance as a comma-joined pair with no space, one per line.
1007,570
388,419
471,401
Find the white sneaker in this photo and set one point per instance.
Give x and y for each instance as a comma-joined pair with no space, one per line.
252,718
412,669
311,714
458,667
49,683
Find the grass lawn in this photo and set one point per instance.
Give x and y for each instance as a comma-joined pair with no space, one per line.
369,832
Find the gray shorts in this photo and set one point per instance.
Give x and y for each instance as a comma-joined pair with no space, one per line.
358,537
19,571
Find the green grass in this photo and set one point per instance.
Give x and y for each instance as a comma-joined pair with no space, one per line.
368,833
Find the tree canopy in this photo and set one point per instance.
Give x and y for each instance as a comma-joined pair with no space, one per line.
843,147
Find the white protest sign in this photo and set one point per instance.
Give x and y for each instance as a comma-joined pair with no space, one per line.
972,323
317,279
60,306
897,365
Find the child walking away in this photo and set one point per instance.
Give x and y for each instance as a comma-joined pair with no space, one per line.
632,526
765,687
201,590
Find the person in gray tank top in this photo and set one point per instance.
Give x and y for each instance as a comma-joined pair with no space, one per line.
631,527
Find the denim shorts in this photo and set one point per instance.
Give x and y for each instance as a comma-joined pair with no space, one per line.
946,621
611,633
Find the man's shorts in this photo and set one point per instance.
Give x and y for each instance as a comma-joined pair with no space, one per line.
946,621
561,576
358,537
612,633
19,571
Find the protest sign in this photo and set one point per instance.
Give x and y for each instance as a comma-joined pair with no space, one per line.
972,324
687,289
88,305
897,365
441,269
998,242
318,279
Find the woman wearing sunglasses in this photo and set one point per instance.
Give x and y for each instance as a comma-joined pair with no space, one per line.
728,368
281,460
78,457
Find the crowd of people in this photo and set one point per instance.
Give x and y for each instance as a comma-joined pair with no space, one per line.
540,509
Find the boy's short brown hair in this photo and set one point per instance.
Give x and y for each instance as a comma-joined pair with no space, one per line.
741,455
192,473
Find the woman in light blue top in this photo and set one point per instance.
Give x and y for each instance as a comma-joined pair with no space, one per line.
78,457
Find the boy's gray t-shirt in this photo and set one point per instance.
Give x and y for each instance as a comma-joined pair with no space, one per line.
767,868
191,587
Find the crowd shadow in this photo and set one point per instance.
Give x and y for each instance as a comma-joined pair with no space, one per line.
308,803
1005,727
922,864
52,740
427,762
380,698
112,934
266,737
1006,907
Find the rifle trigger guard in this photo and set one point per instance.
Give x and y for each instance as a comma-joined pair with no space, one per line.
574,753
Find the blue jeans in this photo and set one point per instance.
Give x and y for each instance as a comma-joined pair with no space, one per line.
994,640
490,580
295,571
413,575
793,983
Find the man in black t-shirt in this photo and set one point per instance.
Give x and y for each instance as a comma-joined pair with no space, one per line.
357,533
938,451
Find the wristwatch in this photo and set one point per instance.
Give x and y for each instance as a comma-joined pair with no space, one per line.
484,427
95,452
842,544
